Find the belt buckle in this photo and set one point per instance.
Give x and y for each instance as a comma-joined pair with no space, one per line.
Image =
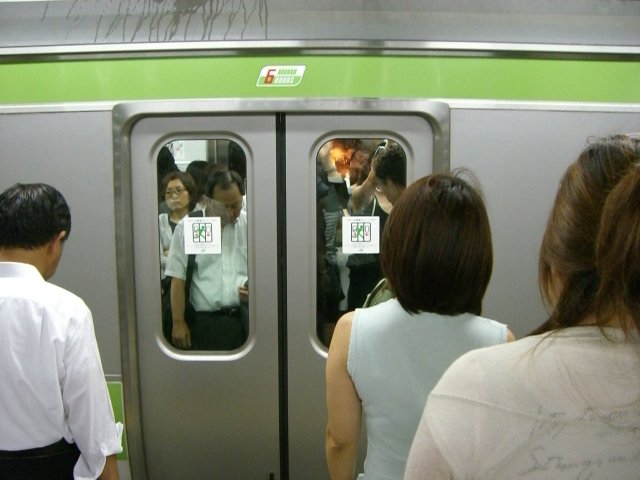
229,311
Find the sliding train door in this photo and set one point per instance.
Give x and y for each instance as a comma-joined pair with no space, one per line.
316,148
210,412
256,410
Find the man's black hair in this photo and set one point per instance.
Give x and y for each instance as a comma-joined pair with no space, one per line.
223,179
32,215
391,164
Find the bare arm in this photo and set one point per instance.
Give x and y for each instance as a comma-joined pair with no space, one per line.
362,194
243,293
180,334
110,470
343,405
510,336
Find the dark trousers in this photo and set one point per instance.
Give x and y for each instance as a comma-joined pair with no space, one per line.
221,330
53,462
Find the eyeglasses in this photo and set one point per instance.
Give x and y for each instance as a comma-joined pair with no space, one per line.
176,191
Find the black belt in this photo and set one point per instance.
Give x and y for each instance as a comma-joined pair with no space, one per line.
57,448
224,312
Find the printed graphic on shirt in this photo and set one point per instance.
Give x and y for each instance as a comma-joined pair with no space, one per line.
202,235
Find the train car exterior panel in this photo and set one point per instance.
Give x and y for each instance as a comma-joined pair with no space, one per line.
359,76
516,122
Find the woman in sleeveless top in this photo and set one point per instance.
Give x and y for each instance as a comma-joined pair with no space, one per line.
437,257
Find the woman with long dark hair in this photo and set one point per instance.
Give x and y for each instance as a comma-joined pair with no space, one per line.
563,403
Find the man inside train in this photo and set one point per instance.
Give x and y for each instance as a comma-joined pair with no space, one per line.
390,169
387,176
385,183
218,289
55,410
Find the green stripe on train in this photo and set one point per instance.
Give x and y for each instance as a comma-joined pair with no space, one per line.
117,402
325,76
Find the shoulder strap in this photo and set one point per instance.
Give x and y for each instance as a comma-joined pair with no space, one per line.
191,263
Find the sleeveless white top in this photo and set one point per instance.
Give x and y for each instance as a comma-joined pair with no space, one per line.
395,359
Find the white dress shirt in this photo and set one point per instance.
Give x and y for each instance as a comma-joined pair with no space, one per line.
51,380
216,277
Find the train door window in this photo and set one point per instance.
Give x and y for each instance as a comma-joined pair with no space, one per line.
202,221
357,182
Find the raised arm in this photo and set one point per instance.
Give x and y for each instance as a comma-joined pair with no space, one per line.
362,194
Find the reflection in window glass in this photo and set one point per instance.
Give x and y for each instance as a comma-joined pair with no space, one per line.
202,222
354,178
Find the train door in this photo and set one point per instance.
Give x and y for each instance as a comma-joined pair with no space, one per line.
211,412
308,139
256,410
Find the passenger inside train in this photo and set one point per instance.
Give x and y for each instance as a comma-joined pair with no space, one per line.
180,197
332,197
368,199
208,309
388,180
383,361
165,164
347,185
218,285
562,403
199,171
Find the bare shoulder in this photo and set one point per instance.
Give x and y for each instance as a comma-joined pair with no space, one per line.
342,334
345,321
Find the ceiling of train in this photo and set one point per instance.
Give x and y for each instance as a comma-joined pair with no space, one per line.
101,22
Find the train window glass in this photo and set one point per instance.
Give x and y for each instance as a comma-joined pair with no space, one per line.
202,221
357,181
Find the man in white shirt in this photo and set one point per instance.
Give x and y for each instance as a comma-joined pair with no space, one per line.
218,291
55,413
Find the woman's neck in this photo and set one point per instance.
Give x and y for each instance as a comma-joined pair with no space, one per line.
176,215
614,322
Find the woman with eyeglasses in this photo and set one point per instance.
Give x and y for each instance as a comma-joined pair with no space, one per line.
180,196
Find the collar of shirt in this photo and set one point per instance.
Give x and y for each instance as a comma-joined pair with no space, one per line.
16,269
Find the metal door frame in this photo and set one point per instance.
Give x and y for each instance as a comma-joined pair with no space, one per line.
124,117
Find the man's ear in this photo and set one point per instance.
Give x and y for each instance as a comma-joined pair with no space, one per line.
56,240
53,255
